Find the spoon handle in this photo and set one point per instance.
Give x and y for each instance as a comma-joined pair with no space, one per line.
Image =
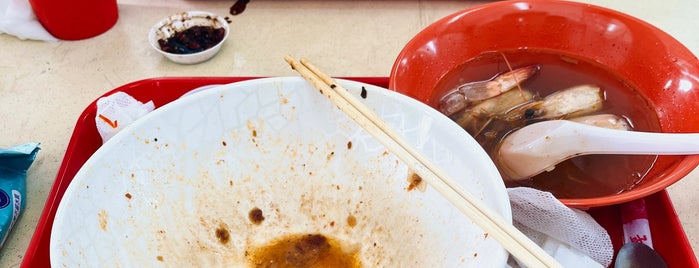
635,222
597,140
540,146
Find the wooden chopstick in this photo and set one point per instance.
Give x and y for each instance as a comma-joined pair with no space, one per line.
514,241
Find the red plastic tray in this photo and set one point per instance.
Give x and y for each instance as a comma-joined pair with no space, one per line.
669,238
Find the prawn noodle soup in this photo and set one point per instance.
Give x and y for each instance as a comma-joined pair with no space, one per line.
580,177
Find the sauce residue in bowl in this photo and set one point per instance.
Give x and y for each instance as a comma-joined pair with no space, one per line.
583,176
192,40
304,250
416,182
256,216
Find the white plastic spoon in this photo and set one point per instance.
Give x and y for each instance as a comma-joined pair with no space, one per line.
539,147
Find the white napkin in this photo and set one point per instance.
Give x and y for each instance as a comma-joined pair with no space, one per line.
571,236
17,18
116,111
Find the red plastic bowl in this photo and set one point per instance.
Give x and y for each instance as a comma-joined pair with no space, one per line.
663,70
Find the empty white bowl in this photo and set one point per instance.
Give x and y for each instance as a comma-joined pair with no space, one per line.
181,21
177,188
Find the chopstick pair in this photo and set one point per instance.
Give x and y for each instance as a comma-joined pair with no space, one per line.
514,241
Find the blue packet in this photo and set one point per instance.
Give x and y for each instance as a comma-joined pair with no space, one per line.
14,163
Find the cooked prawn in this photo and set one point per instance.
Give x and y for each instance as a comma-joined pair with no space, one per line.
567,103
466,94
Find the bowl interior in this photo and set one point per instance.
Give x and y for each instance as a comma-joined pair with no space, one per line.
178,186
662,69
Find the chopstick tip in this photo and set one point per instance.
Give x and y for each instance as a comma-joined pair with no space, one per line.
291,61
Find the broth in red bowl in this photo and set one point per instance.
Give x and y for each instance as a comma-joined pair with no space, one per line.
647,77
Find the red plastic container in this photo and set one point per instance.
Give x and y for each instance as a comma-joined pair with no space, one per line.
669,237
76,19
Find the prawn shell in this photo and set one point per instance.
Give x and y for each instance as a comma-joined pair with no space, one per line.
452,103
474,92
477,117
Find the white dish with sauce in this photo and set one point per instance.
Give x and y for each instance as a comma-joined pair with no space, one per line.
179,22
175,189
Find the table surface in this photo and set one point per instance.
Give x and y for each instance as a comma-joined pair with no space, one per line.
44,86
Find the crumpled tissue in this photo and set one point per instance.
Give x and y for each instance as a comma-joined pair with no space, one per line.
17,18
118,110
570,235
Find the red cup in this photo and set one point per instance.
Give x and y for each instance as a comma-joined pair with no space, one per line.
76,19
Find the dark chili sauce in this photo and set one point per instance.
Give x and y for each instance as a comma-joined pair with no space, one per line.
192,40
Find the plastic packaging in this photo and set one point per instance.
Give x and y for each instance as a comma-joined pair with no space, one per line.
635,221
14,163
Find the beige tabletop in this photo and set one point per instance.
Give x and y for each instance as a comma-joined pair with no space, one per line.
45,86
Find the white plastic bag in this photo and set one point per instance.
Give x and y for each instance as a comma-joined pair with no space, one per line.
570,235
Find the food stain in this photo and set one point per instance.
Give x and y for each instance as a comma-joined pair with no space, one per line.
304,250
351,221
222,234
238,7
128,196
255,216
416,182
160,258
102,218
349,145
113,124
